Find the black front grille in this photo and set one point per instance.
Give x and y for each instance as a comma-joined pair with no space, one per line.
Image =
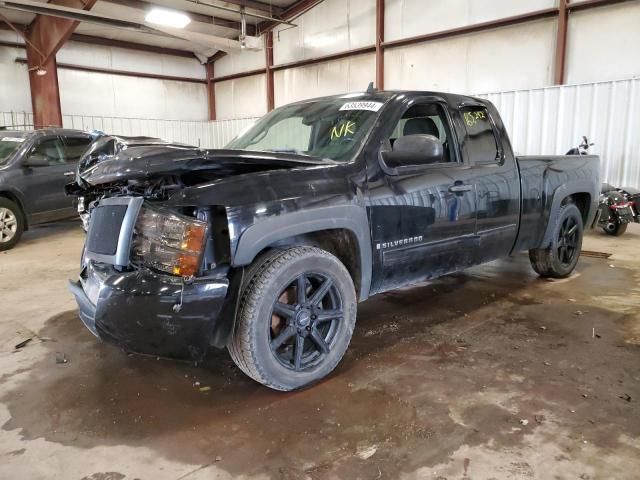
104,231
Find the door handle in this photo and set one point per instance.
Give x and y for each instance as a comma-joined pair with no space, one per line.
459,188
69,174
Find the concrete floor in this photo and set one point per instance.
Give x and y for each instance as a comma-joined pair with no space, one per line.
491,374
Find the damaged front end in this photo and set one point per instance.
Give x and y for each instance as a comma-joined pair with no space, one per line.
156,275
149,282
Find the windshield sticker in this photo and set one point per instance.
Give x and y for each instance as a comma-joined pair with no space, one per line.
345,129
370,106
12,139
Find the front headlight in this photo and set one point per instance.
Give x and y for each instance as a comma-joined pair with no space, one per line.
169,242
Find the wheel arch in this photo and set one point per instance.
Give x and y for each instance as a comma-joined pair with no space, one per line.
16,198
581,194
341,230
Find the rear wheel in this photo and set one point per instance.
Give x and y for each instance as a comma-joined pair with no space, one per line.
561,258
11,224
615,228
296,318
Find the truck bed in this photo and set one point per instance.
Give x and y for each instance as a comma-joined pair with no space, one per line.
543,178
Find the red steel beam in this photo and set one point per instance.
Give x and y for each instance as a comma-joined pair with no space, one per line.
379,41
126,73
211,91
268,47
588,4
45,36
561,43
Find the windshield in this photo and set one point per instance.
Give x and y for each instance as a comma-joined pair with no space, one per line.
8,145
329,128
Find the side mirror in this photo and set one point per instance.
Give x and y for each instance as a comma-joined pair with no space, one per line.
411,152
36,160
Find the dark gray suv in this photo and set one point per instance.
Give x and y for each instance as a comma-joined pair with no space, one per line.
34,168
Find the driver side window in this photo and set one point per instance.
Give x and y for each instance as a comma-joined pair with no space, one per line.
426,119
50,149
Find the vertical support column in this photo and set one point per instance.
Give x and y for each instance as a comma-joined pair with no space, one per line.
211,90
561,43
269,63
45,92
44,37
379,41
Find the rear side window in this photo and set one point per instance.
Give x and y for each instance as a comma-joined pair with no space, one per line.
482,144
75,146
51,149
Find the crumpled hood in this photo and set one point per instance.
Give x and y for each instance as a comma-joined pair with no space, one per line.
118,159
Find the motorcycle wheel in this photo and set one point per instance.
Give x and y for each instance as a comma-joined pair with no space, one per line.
615,229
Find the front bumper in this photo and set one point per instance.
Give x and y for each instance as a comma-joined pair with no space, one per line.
149,313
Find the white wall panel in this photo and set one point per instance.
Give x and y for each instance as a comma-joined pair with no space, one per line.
241,98
331,27
129,60
604,43
408,18
351,74
551,120
544,121
100,94
238,62
520,56
15,94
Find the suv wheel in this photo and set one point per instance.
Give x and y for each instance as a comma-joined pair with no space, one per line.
11,224
560,259
296,318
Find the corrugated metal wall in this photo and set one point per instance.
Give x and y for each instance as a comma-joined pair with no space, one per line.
540,121
551,120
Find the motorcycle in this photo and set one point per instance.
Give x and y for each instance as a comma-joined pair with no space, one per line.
582,149
618,208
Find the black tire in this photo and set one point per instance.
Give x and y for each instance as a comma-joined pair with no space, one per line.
561,258
9,211
615,229
260,345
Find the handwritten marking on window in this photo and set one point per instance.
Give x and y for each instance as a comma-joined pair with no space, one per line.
345,129
471,118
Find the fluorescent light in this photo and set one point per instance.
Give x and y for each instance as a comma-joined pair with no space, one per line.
168,18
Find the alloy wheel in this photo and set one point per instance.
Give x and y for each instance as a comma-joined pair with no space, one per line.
8,225
305,320
568,241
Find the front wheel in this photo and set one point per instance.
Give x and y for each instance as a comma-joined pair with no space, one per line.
615,228
11,224
297,314
561,258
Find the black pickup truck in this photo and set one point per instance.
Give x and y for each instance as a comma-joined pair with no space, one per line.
267,247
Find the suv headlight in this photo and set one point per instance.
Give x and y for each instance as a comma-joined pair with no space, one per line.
169,242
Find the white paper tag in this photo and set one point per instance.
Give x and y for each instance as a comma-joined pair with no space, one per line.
370,106
12,139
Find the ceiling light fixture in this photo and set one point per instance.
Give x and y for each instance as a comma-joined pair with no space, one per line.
167,18
40,71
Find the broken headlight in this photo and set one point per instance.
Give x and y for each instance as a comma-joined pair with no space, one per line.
169,242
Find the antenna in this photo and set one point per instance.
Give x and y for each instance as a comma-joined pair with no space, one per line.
371,88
